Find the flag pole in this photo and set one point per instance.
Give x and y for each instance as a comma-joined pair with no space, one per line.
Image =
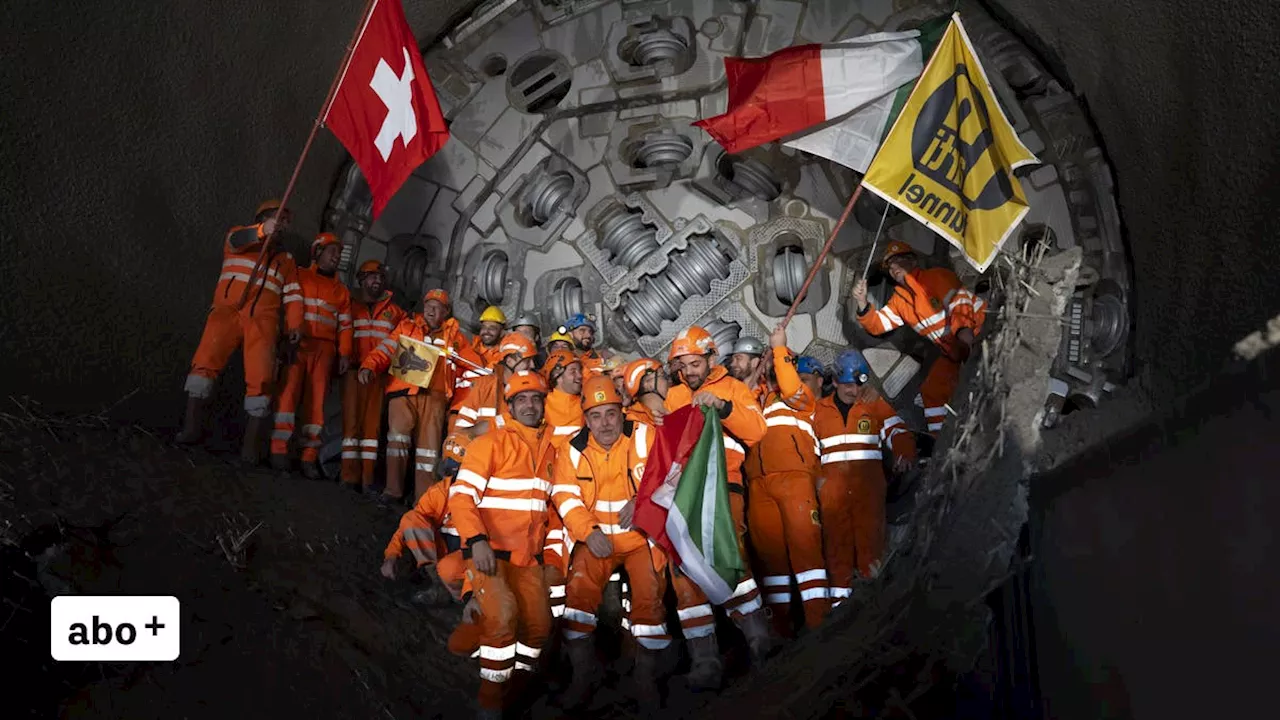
306,147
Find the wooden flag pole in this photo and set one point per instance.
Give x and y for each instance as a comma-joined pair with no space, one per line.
306,147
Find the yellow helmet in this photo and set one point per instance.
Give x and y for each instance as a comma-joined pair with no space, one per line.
493,314
559,336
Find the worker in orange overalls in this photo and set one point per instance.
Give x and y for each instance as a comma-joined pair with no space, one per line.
852,425
427,533
485,406
493,325
374,315
559,340
581,330
499,505
645,383
705,384
412,409
745,358
936,306
597,474
783,517
326,328
256,326
527,325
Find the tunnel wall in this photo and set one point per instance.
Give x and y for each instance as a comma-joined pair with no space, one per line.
133,136
1157,569
1182,93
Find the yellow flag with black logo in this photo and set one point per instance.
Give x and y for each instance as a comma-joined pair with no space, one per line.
949,158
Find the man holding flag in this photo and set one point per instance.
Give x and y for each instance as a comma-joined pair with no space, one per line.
709,386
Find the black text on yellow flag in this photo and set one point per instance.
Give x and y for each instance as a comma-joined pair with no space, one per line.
949,158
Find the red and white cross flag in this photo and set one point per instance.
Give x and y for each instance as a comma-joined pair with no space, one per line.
385,111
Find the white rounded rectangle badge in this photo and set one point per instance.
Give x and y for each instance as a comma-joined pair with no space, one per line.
115,628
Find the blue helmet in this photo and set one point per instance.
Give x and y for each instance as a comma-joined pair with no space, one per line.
579,320
810,365
852,367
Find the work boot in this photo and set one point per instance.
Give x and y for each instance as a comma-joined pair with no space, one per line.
586,671
755,627
250,451
311,471
280,462
707,669
193,422
644,678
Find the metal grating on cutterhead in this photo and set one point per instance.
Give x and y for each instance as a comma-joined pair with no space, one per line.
626,236
724,333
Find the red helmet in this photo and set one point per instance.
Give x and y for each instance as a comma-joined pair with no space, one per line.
322,241
438,295
894,249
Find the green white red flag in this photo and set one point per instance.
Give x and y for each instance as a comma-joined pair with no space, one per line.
683,502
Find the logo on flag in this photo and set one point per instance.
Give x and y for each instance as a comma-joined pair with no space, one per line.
949,159
385,111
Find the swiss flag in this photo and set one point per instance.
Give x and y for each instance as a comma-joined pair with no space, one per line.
385,111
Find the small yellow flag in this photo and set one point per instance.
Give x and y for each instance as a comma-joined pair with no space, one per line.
415,361
949,158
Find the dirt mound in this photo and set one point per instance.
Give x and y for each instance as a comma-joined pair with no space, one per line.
306,628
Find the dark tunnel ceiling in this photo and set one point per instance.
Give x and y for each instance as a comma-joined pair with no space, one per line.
139,148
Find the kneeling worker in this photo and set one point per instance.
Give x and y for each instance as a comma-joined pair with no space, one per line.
595,481
499,505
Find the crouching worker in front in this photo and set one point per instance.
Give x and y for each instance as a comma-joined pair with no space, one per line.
499,505
596,478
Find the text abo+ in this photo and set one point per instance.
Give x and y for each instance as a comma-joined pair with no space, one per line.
115,628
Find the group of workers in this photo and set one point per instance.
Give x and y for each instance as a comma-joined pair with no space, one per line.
527,457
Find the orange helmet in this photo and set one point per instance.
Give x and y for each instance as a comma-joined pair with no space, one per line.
523,381
369,266
556,364
267,206
633,373
599,390
514,343
893,249
692,341
322,241
438,295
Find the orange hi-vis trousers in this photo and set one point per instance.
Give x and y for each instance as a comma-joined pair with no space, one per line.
852,501
786,535
417,421
361,422
515,622
224,331
305,385
936,391
646,614
697,619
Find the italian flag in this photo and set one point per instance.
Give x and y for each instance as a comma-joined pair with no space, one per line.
683,502
836,100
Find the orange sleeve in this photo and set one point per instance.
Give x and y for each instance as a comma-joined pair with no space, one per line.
894,433
745,420
379,359
882,320
293,306
346,337
469,487
794,393
434,503
396,546
964,309
566,493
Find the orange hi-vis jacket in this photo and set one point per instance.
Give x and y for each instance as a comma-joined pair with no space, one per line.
744,426
490,355
592,362
859,436
934,304
417,530
640,413
501,493
327,309
485,402
790,444
374,323
414,326
276,283
564,413
591,485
